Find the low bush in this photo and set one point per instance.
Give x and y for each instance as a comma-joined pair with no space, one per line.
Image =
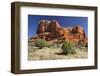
41,43
67,48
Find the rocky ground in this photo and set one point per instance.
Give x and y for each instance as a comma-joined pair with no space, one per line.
54,53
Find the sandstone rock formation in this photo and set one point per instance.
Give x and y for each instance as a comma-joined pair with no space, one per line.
52,31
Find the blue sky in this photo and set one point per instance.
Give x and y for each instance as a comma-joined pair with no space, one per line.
64,21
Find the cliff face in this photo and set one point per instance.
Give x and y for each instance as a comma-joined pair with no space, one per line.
52,31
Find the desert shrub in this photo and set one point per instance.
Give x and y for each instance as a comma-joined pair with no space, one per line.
40,43
67,48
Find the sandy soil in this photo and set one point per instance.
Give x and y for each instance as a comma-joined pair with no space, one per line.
54,53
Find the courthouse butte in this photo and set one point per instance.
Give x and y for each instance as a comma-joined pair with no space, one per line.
53,32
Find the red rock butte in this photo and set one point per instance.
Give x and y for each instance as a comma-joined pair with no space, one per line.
52,31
